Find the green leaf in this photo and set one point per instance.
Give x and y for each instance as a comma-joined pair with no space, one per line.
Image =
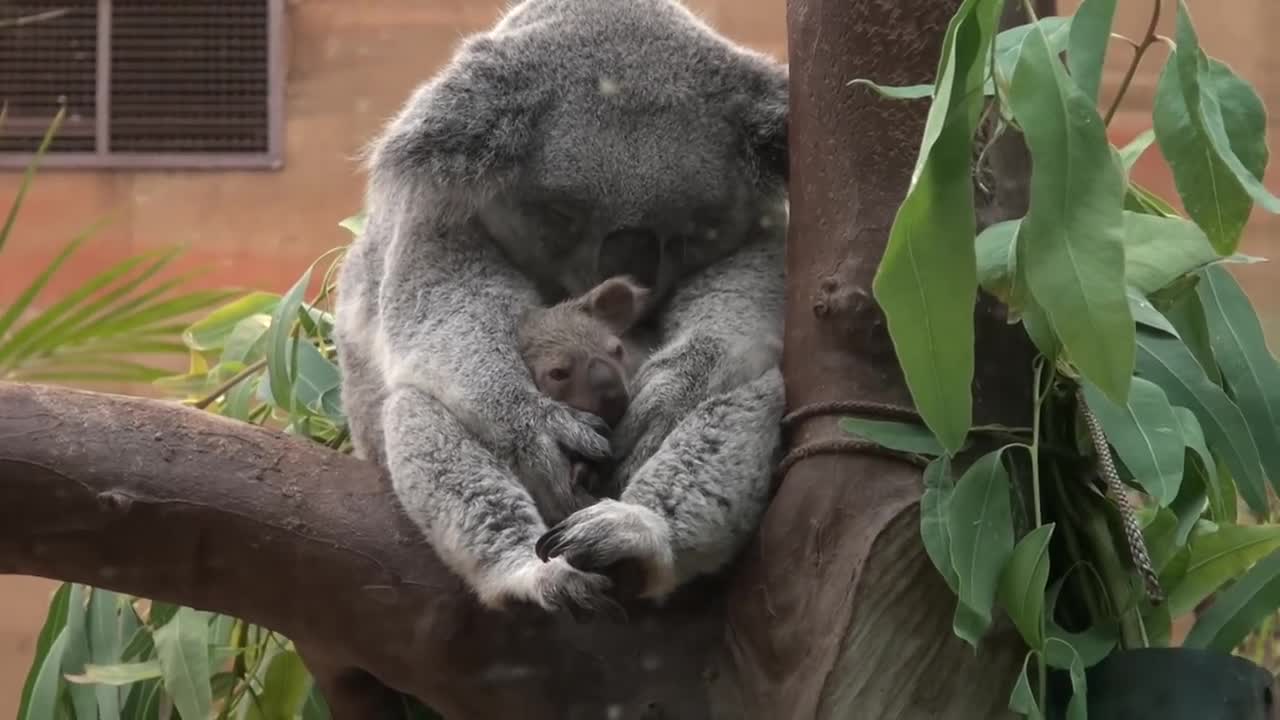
55,620
118,674
996,262
1239,609
1087,46
355,224
76,655
927,280
1139,199
1130,153
1023,700
1249,368
1211,128
247,342
42,702
1144,313
279,347
28,295
981,527
1203,469
1217,557
1023,582
182,649
1009,43
897,92
1227,108
1071,243
938,489
1168,363
1157,250
1145,434
315,708
903,437
285,687
213,330
316,375
105,646
1059,654
1186,314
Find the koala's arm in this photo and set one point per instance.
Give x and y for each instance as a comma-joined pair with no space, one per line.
461,412
704,436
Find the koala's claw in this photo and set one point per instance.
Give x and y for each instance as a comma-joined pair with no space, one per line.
608,535
580,433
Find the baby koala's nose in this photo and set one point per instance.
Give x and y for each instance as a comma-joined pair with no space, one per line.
609,389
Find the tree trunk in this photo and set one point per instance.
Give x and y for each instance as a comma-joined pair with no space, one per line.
837,611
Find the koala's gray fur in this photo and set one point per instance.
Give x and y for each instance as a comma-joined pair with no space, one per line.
576,140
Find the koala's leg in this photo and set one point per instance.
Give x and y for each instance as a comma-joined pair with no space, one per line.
479,519
702,436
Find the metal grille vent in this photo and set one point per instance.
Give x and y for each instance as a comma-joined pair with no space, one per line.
43,64
189,76
147,83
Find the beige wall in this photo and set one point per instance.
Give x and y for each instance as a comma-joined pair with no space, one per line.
350,65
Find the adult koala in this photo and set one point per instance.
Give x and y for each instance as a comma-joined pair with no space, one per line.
576,140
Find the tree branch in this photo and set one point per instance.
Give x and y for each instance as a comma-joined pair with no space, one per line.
161,501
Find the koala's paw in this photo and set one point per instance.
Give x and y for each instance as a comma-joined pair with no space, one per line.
610,536
544,463
556,586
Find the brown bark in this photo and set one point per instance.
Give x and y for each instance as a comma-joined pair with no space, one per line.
837,611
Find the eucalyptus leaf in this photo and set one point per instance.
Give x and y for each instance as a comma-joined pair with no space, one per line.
1239,609
1071,244
926,282
1248,367
897,92
1145,434
54,621
1186,314
1168,363
118,674
1144,313
1023,699
1194,92
1023,582
980,521
1060,653
903,437
939,486
1131,152
182,649
105,645
1217,557
279,355
285,687
1159,249
1056,28
355,224
1087,44
76,655
213,330
42,702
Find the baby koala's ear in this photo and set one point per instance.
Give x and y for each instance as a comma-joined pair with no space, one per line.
617,302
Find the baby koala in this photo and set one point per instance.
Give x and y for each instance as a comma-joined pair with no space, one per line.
578,353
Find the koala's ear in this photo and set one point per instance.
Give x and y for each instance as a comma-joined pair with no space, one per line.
465,132
763,114
618,302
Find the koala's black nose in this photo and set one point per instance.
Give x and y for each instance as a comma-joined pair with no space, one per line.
609,389
633,251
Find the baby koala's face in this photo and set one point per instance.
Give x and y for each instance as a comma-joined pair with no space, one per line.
576,352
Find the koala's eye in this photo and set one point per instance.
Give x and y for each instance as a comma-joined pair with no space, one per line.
558,374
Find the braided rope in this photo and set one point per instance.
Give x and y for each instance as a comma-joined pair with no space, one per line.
1116,490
